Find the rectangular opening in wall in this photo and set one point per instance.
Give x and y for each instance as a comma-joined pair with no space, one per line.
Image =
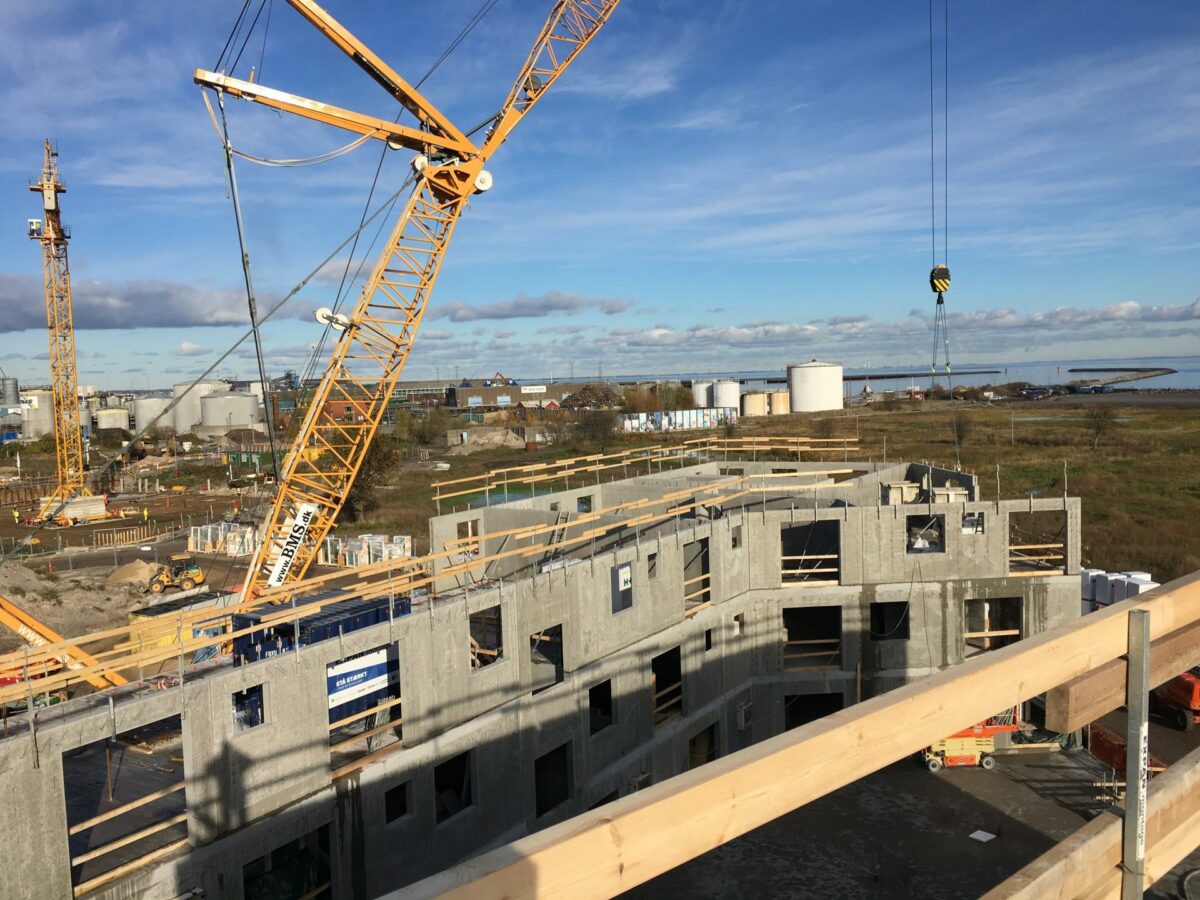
607,798
810,554
800,709
735,537
731,470
622,587
972,523
452,786
552,779
249,710
553,506
583,504
1037,542
486,637
546,658
708,639
364,703
697,581
395,802
600,706
925,534
739,624
467,543
889,621
812,638
651,566
666,686
991,623
124,798
702,747
299,868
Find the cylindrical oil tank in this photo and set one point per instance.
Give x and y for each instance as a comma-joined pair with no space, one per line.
187,413
726,395
229,410
112,417
702,394
779,403
10,395
37,418
754,403
815,386
146,409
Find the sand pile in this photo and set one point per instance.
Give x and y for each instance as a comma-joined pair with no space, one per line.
72,603
135,572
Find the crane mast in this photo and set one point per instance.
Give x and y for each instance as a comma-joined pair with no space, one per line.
376,336
64,382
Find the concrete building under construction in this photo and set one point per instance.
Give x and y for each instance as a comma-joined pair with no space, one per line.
567,649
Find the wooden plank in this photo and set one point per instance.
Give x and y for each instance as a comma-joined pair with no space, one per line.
133,865
126,807
631,840
1085,699
128,839
1087,862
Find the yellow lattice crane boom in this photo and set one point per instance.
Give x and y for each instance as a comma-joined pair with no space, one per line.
376,336
64,382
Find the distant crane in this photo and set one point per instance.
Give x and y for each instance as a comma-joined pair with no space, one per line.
56,275
374,338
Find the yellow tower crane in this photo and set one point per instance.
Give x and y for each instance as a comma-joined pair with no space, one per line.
375,338
64,383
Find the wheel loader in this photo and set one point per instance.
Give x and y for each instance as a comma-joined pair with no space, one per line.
182,572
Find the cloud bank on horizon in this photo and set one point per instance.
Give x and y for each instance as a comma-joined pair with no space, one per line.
698,193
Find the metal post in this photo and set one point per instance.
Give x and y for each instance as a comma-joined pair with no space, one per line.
1137,746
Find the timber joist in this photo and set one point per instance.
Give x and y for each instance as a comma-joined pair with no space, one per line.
629,841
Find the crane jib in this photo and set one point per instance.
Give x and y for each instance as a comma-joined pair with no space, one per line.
296,531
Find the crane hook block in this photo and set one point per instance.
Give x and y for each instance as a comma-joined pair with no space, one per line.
939,278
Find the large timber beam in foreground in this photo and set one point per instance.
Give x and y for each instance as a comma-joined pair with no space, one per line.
629,841
1085,699
1087,864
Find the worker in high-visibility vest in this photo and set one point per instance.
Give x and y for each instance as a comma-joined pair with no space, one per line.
16,517
122,512
145,515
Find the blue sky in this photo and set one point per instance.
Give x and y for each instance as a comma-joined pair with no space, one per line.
717,186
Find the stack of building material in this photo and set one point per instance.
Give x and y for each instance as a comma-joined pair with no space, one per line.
1099,588
364,550
224,538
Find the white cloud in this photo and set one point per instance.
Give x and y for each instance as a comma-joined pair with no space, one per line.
187,348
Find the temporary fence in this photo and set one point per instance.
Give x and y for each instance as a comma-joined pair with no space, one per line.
223,538
364,550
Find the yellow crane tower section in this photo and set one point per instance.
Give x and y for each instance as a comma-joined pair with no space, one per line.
375,337
64,382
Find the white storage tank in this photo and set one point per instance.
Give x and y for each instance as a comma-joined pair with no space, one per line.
228,410
10,395
37,418
815,386
187,413
146,409
112,418
754,403
727,395
702,394
780,403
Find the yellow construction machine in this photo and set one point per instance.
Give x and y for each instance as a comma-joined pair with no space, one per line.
181,572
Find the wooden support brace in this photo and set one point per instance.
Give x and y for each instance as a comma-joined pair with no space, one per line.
632,840
1087,863
1085,699
126,807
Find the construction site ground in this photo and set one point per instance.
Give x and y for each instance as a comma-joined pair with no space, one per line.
903,833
